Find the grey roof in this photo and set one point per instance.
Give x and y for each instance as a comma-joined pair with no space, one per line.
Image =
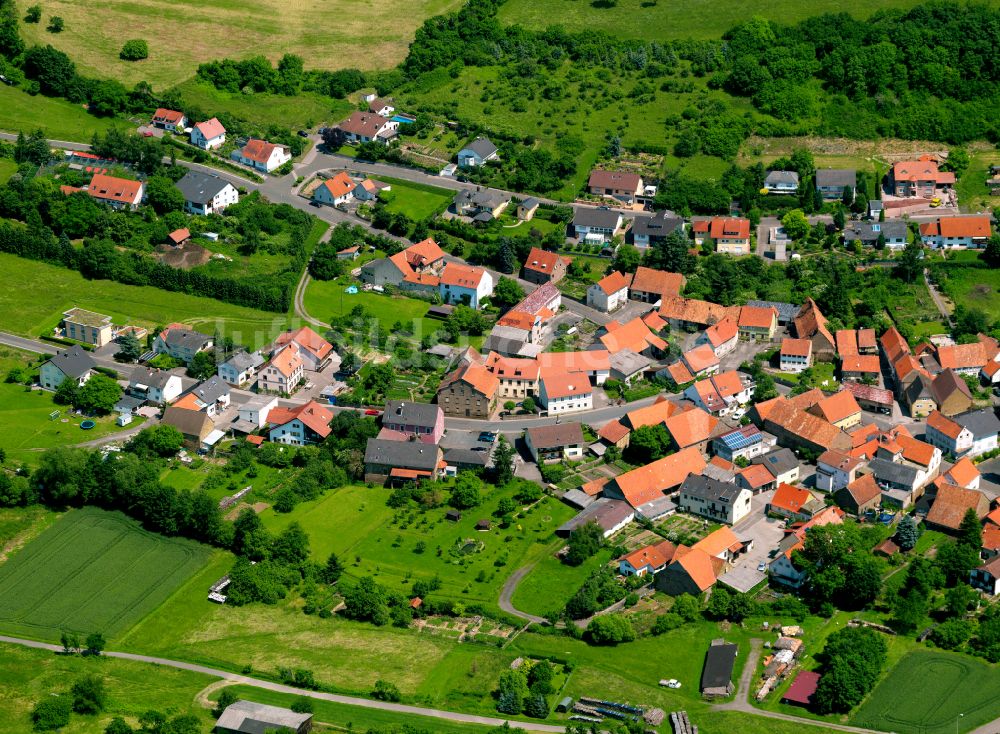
530,203
946,383
410,413
607,513
719,663
199,187
875,205
981,423
556,435
787,177
74,362
893,472
710,489
402,454
866,231
828,177
256,402
590,216
242,361
480,198
577,498
717,472
150,378
778,461
483,147
786,311
211,389
921,386
466,457
128,404
659,225
628,363
256,718
186,338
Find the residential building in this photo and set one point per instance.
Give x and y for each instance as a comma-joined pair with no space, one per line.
648,560
723,394
627,366
782,182
479,151
315,351
951,503
950,232
646,487
859,496
860,367
609,515
650,286
596,225
921,178
518,377
700,362
208,135
867,343
810,323
206,194
722,336
623,186
594,364
782,569
951,393
368,127
196,426
527,208
836,470
719,501
262,155
88,327
398,462
470,391
465,284
422,421
634,335
692,429
892,233
542,266
158,387
171,120
369,189
253,414
796,355
482,205
181,343
831,182
840,409
963,474
334,191
694,570
757,324
782,463
418,267
555,442
380,106
565,393
987,577
793,503
731,235
74,364
300,425
869,397
967,434
965,359
284,372
211,396
745,442
692,314
917,393
609,293
654,230
118,193
241,368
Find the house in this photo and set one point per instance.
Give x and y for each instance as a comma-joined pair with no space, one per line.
369,189
518,377
483,205
196,426
542,266
627,366
300,425
986,577
171,120
181,343
648,560
965,359
782,569
699,362
782,182
594,364
74,364
634,335
646,487
949,232
284,372
951,504
860,367
209,134
963,474
381,107
831,182
650,286
782,463
179,236
717,675
422,421
966,434
158,387
609,515
118,193
694,570
951,393
794,503
565,393
596,225
861,495
88,327
840,409
652,231
866,341
211,395
397,462
609,293
917,392
349,253
723,394
724,502
811,324
555,442
465,284
315,351
722,336
731,235
892,233
470,391
527,208
692,313
246,717
335,191
796,355
875,208
253,414
920,178
692,429
418,267
368,127
836,470
241,368
479,151
206,194
262,155
744,442
869,397
624,186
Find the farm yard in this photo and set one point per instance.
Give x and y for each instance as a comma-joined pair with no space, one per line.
91,571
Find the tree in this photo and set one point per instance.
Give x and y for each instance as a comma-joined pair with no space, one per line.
910,264
847,199
51,713
467,492
98,395
367,601
56,24
202,365
907,534
610,629
958,161
88,695
956,560
66,393
992,252
627,259
648,443
839,220
226,699
718,604
959,599
528,405
506,259
513,690
350,363
536,707
95,643
163,196
671,254
34,14
134,50
291,546
583,543
853,659
952,634
129,348
795,223
118,725
163,441
970,532
70,642
332,570
503,461
507,292
909,611
303,705
33,148
385,691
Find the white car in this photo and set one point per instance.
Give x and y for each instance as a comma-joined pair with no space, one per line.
672,683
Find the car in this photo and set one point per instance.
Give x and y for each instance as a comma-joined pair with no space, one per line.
487,436
303,134
147,133
762,567
672,683
371,411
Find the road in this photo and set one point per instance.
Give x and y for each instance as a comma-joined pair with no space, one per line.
398,708
507,593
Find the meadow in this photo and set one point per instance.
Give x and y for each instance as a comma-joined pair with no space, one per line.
965,280
973,196
548,585
91,571
181,35
61,120
327,299
416,201
31,311
7,169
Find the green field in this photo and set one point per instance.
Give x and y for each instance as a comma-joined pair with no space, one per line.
7,169
650,20
973,196
38,310
972,287
91,571
549,585
933,693
326,299
416,201
28,676
61,120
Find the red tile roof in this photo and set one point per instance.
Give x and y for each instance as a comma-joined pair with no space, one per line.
700,358
944,425
542,261
623,180
758,317
308,340
650,482
613,282
847,342
974,227
796,347
810,321
863,363
339,185
634,335
894,345
170,117
464,276
729,228
724,331
649,280
654,556
963,473
112,188
839,406
179,235
951,504
962,356
756,476
566,385
921,170
691,427
789,498
211,128
870,393
311,414
260,150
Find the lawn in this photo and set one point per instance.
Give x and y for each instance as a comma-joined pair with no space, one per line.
32,312
327,299
970,286
551,583
973,196
374,39
933,693
61,120
18,525
91,571
416,201
28,676
7,169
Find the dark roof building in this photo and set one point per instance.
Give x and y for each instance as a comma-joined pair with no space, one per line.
555,435
717,675
596,218
836,177
802,689
200,188
400,460
74,362
779,461
247,717
610,515
867,232
654,229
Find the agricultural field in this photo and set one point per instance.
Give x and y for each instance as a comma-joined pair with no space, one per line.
652,20
19,525
416,201
933,693
968,282
91,571
28,676
35,312
231,29
61,120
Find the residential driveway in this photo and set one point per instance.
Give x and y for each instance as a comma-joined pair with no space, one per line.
766,533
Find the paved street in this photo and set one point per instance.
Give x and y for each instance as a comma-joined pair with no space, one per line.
765,532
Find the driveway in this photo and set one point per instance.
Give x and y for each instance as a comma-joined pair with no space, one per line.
766,534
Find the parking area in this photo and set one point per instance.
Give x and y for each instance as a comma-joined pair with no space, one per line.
766,534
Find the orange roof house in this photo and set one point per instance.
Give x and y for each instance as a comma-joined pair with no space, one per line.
701,360
692,428
543,266
854,366
649,285
951,504
796,427
648,559
337,187
840,409
860,495
791,501
682,312
963,358
164,117
312,415
614,282
757,317
810,323
115,191
651,415
316,349
963,474
894,345
633,335
947,231
722,332
179,236
847,342
653,481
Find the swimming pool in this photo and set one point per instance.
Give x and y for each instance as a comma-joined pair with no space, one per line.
403,119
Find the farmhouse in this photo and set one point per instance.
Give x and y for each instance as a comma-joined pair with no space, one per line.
118,193
518,377
920,178
794,503
301,425
645,488
206,194
171,120
796,355
831,182
757,324
722,336
596,225
555,442
470,392
335,191
74,364
479,151
401,461
810,323
620,185
542,266
840,409
966,434
650,286
246,717
648,560
563,392
965,359
208,135
860,495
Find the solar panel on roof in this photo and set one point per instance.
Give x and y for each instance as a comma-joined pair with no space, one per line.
738,440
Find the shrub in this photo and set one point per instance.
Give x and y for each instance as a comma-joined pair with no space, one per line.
52,713
134,50
385,691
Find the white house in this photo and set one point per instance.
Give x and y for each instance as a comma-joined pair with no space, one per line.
722,336
366,127
256,410
381,107
241,368
74,363
555,442
159,387
212,396
745,442
722,394
596,224
782,182
335,191
208,135
948,232
986,577
566,393
262,155
609,293
284,372
835,470
476,153
171,120
724,502
301,425
967,434
206,194
796,355
465,284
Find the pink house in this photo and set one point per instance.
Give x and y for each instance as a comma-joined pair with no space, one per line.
423,421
